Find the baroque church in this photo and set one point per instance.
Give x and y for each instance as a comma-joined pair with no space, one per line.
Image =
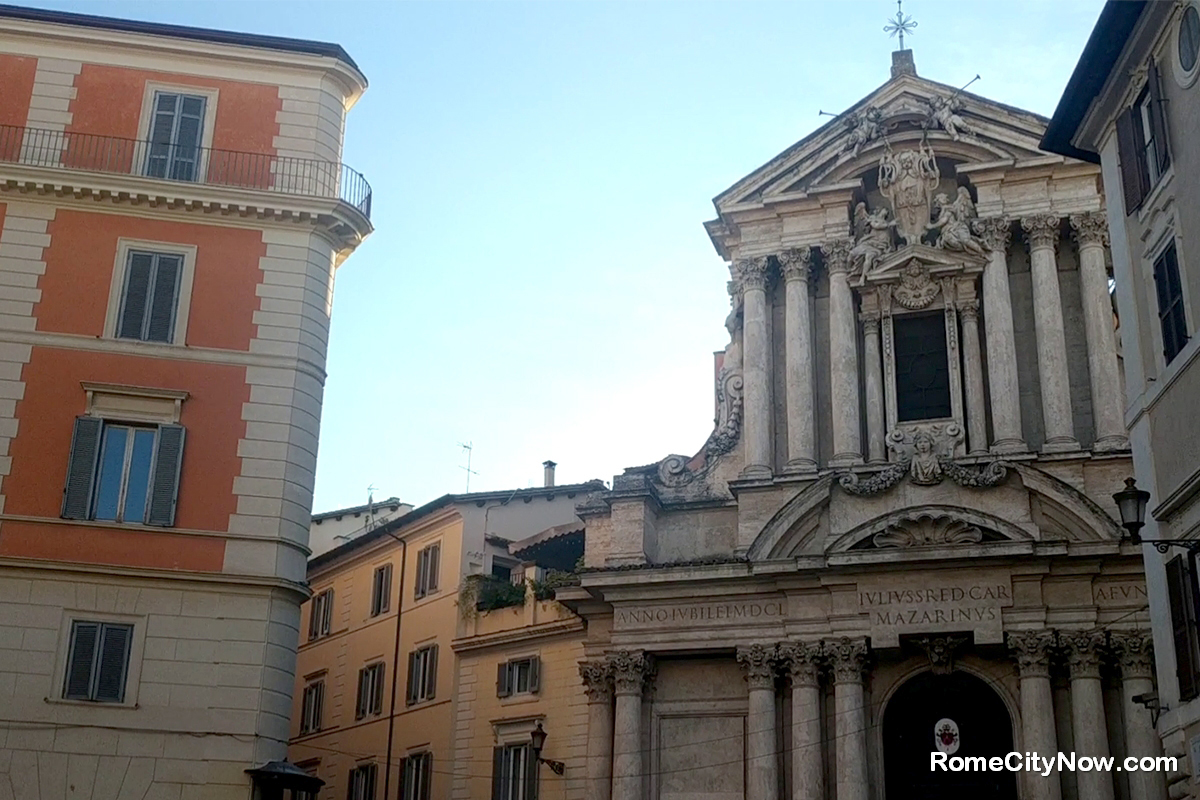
900,537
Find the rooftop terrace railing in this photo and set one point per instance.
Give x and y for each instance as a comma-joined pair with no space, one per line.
172,161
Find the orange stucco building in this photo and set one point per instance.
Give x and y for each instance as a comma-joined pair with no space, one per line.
172,212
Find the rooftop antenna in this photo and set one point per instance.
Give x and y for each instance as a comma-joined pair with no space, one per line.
901,24
468,447
371,507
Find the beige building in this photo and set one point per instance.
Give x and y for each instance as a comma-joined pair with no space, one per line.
900,539
330,529
1133,107
374,713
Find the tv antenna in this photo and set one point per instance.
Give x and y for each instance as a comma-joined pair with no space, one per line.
370,526
468,447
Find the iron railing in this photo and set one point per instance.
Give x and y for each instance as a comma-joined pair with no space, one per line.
189,164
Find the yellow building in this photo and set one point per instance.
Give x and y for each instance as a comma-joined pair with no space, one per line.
393,596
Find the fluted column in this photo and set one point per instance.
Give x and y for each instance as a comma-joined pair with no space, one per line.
597,682
756,360
1091,233
1032,650
762,753
848,658
1134,651
798,361
973,372
1084,652
843,356
876,452
803,661
1007,436
629,671
1042,232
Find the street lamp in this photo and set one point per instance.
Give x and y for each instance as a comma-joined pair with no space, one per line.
537,739
1131,502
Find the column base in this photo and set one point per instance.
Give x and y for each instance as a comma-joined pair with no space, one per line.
1111,444
846,460
800,466
1061,444
756,472
1009,447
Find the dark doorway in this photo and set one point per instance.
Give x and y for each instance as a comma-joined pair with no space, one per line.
984,729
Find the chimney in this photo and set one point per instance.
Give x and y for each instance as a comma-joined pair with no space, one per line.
549,466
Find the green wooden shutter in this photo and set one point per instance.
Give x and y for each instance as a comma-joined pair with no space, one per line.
419,583
1158,119
113,662
1127,152
359,704
426,777
81,468
503,680
314,616
535,678
84,637
377,704
410,693
531,774
1180,600
431,674
432,567
497,773
164,481
164,298
405,766
136,296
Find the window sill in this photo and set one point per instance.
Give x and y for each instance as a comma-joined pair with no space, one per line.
520,699
1151,200
63,701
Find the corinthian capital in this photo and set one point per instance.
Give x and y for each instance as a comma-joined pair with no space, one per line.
837,255
752,272
630,668
1135,653
848,657
1085,650
1041,230
758,660
795,263
1091,227
803,660
1032,650
597,680
996,232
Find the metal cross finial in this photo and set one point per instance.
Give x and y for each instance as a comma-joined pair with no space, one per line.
902,24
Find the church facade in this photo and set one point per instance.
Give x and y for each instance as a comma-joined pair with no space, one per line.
899,538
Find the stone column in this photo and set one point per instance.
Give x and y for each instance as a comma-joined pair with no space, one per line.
629,671
1042,232
1032,651
848,658
876,451
804,660
756,363
1085,650
798,361
1091,233
1134,651
762,751
1007,436
597,682
973,367
843,356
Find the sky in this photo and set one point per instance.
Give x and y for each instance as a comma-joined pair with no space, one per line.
539,283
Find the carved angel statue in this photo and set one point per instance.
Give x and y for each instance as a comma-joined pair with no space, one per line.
864,126
873,237
943,114
953,223
925,468
907,179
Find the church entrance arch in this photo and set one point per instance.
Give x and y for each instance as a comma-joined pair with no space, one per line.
971,719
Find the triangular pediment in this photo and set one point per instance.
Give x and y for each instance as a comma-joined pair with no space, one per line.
898,114
931,261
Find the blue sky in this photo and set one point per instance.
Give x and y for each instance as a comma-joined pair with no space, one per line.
539,282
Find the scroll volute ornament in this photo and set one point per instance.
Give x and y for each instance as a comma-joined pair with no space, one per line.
804,661
1135,653
848,658
795,264
1091,228
758,661
630,668
837,255
597,680
996,232
1041,230
752,273
1032,651
1085,650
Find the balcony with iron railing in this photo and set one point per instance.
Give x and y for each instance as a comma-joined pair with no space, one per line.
168,161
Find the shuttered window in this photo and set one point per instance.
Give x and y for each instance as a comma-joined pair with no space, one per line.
381,590
123,473
362,783
150,296
514,773
428,564
422,674
370,691
311,707
519,676
320,615
98,662
416,776
1142,145
175,134
1181,593
1172,317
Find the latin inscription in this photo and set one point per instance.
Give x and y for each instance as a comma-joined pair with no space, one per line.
1119,594
973,605
700,613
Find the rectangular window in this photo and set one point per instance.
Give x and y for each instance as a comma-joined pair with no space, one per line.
381,590
520,676
422,674
320,615
176,127
416,776
1182,596
922,367
1171,316
310,711
362,783
370,691
428,563
123,473
98,662
1142,142
150,296
513,772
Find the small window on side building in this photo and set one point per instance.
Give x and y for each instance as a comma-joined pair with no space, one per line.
1172,317
98,662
